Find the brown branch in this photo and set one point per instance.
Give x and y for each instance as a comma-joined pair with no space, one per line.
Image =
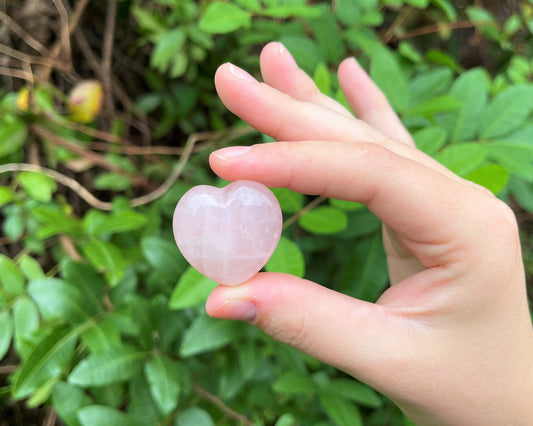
437,28
64,38
73,23
317,201
97,159
107,55
24,58
216,401
7,369
16,73
23,34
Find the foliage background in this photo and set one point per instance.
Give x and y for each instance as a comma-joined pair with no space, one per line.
101,319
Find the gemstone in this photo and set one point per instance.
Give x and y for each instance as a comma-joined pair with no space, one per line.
228,234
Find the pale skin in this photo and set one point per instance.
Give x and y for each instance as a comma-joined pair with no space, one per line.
450,341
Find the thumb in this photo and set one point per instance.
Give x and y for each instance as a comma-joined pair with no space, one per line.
350,334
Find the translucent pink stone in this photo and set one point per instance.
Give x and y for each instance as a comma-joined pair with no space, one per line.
228,234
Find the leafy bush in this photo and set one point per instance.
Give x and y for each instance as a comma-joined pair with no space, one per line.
102,320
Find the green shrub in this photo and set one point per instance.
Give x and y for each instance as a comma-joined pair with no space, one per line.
101,318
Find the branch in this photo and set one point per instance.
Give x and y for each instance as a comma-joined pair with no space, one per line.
25,36
317,201
216,401
437,28
107,54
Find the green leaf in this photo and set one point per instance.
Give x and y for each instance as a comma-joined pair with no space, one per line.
507,112
30,268
38,186
13,134
492,176
194,416
6,195
516,158
47,360
26,322
339,410
54,220
42,394
86,280
523,192
287,258
67,399
294,382
428,85
58,300
365,275
220,18
471,90
163,375
11,278
100,415
97,223
206,334
6,332
118,364
322,78
106,258
462,158
191,290
170,43
109,181
430,139
324,220
422,4
142,406
448,8
387,74
164,256
429,108
349,206
329,39
353,391
289,201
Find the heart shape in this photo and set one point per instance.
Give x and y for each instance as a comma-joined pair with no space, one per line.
229,233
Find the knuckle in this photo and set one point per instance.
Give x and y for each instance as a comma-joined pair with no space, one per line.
294,332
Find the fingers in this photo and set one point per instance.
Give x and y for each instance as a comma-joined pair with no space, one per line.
286,308
286,118
414,200
283,117
369,103
280,71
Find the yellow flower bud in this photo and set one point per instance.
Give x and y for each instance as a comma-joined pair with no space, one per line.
85,101
23,99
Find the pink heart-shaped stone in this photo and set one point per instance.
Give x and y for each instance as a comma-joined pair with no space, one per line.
228,234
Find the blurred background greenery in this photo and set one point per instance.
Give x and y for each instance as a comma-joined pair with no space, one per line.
108,113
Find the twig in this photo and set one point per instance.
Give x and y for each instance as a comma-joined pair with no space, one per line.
64,30
25,36
51,417
216,401
437,28
317,201
92,156
16,73
7,369
107,54
25,58
73,23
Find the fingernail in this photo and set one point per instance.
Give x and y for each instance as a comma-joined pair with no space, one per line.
231,152
240,73
239,310
284,53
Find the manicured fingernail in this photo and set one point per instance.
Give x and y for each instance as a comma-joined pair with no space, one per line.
231,152
240,73
284,53
239,310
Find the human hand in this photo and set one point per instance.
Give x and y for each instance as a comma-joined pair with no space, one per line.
451,341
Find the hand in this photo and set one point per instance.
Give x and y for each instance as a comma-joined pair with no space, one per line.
451,340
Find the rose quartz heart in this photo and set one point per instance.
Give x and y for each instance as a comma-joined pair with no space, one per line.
228,234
